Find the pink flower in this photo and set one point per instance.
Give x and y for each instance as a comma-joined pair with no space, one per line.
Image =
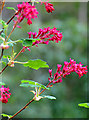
4,92
15,23
50,73
25,10
48,6
23,50
45,35
2,46
66,70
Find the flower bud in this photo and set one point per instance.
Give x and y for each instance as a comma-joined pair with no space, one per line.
2,46
11,64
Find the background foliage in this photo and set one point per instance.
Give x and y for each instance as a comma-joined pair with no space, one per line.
72,91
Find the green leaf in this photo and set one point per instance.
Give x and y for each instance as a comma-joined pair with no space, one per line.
2,83
30,83
20,41
7,56
4,63
5,115
3,23
86,105
49,97
28,42
11,8
36,64
9,40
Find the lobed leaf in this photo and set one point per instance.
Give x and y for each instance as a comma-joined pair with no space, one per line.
28,42
3,23
9,40
86,105
36,64
5,115
7,56
49,97
4,63
30,83
11,8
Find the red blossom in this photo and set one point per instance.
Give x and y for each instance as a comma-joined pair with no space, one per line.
48,6
66,70
25,48
50,73
4,92
45,35
26,10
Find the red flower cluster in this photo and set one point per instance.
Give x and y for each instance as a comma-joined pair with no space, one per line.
48,34
48,6
4,92
66,70
27,11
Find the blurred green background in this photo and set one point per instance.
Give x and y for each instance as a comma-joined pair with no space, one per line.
70,19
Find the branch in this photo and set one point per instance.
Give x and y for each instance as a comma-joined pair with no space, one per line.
1,54
10,20
21,109
4,68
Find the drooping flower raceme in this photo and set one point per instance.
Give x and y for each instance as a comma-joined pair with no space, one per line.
4,93
68,67
45,35
48,6
26,10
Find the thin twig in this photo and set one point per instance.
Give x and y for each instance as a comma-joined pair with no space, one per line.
18,53
2,6
4,68
21,109
1,53
10,20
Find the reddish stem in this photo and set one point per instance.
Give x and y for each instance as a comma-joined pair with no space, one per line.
1,53
21,109
4,68
19,53
45,88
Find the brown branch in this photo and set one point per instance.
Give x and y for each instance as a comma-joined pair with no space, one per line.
1,53
12,18
2,6
21,109
4,68
18,53
9,21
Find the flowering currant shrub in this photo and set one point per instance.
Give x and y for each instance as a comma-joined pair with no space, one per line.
28,11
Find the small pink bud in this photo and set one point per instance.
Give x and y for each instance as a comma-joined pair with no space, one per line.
50,73
11,64
2,46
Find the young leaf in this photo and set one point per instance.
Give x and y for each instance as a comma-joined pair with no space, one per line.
49,97
4,24
7,56
11,8
25,85
9,40
30,83
86,105
2,83
4,63
28,42
36,64
5,115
